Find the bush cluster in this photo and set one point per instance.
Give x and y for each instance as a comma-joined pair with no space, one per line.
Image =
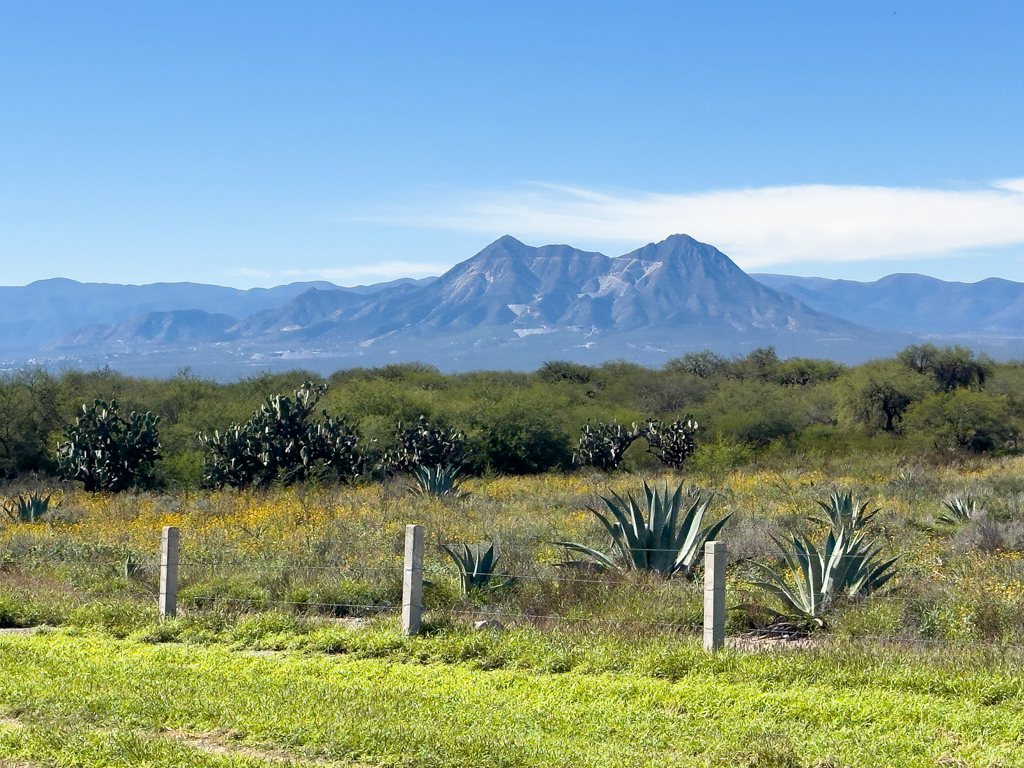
926,399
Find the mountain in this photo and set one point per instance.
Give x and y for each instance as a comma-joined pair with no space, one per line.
41,313
510,306
914,303
519,290
516,305
181,327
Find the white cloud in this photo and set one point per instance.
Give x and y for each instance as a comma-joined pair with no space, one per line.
756,227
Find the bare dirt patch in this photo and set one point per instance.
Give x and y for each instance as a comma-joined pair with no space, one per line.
220,742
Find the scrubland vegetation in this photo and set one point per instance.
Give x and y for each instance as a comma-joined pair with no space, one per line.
928,400
599,662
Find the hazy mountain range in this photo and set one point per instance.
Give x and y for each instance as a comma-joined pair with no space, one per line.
915,303
509,306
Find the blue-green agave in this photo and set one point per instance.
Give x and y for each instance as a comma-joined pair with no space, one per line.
27,509
440,481
846,565
664,536
476,568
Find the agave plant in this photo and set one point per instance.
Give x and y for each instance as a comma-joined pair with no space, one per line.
960,509
668,539
437,481
27,509
476,568
843,514
846,565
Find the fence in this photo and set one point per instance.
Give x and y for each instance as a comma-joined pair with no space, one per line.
716,555
636,606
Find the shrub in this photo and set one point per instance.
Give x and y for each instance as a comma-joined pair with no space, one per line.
950,367
106,452
962,420
880,392
281,442
423,444
703,365
523,441
564,370
671,443
603,445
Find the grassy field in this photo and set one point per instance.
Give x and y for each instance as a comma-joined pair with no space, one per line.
84,698
286,647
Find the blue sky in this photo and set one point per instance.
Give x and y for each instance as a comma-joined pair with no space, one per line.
258,143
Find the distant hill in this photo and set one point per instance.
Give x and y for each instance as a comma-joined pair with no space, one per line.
914,303
509,306
181,327
41,313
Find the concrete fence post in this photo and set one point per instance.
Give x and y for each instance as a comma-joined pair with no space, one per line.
412,580
168,572
715,554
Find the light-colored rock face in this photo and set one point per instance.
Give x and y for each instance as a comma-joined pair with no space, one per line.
678,281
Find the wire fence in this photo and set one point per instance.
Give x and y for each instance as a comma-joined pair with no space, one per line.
538,590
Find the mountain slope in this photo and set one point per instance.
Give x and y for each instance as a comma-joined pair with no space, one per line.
914,303
41,313
176,328
513,289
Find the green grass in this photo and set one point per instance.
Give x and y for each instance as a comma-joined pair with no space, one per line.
595,669
455,698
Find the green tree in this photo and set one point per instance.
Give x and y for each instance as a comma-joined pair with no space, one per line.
950,367
704,365
963,420
30,405
879,394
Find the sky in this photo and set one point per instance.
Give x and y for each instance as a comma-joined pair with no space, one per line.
254,144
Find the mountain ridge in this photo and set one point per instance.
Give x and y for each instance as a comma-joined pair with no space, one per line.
914,303
39,314
515,305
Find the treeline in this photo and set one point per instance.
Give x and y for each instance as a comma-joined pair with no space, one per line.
924,399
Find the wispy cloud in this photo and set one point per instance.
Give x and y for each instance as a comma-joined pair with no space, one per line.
383,269
757,227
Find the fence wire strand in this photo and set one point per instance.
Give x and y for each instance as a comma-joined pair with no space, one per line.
555,574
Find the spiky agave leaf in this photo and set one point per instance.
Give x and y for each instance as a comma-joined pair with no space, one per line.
844,513
960,509
846,565
476,567
864,573
27,509
442,481
656,539
600,558
805,596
